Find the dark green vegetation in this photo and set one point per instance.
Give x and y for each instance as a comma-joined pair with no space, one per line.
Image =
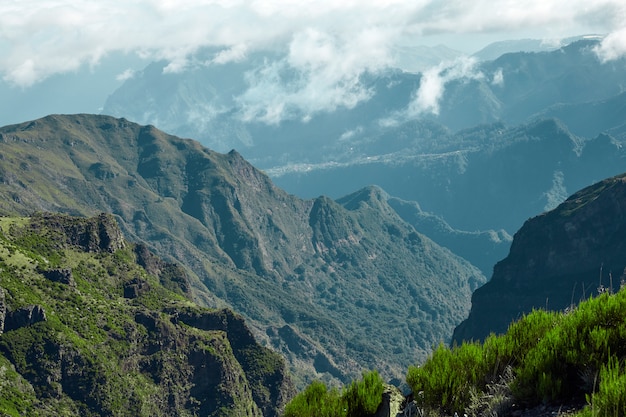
335,286
574,357
556,259
92,325
359,399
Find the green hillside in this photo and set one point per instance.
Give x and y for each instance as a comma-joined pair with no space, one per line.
93,325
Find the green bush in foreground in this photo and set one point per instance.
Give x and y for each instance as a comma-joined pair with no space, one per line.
361,398
610,399
544,357
316,401
551,357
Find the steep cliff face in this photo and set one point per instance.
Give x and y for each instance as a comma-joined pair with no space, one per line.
325,269
74,339
556,259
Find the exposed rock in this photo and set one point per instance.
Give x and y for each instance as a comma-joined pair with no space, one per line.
391,405
94,234
270,391
172,276
25,316
135,287
62,275
102,171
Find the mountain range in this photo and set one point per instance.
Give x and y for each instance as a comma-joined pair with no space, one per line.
326,283
509,137
206,102
366,237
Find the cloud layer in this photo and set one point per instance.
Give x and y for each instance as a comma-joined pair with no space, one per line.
326,46
39,38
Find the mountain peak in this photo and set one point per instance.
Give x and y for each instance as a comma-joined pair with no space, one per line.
371,195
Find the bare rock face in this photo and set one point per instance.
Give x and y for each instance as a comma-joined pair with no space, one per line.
556,259
171,276
392,403
270,391
25,316
94,234
135,287
62,275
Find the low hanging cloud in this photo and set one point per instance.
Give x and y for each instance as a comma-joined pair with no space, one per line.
433,83
327,45
613,46
319,73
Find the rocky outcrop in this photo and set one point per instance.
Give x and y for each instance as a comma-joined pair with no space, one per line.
556,259
135,287
271,391
62,275
95,234
171,276
25,316
392,403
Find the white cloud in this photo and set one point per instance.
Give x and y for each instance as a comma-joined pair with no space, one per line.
613,46
39,38
433,83
236,53
498,78
125,75
327,45
320,73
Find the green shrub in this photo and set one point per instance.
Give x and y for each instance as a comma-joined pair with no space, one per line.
446,378
610,399
363,397
575,349
316,401
360,399
545,356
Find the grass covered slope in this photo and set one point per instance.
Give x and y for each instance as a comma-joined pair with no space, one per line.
547,363
93,325
571,358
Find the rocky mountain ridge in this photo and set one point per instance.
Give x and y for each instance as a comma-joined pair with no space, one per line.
313,277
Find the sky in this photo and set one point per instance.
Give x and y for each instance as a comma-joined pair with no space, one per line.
331,42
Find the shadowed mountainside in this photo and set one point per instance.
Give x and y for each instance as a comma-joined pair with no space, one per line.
556,259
